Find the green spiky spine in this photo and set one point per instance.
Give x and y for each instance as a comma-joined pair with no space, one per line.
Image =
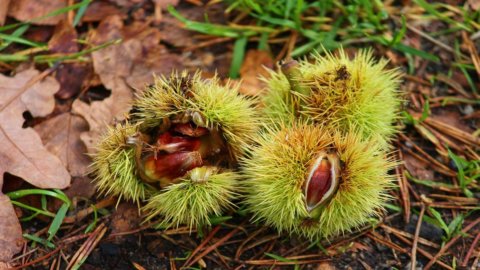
222,106
277,169
114,165
193,202
363,95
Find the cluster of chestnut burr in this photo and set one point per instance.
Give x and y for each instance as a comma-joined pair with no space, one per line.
309,156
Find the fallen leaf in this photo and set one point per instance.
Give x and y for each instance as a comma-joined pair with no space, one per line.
475,4
125,218
72,77
63,39
11,239
174,32
417,168
166,3
155,63
22,153
128,3
26,10
99,10
61,137
98,114
3,10
325,266
254,66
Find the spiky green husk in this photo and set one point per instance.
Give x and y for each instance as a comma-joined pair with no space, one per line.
362,95
222,107
114,165
278,167
193,202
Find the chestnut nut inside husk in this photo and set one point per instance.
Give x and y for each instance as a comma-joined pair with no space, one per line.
177,147
322,180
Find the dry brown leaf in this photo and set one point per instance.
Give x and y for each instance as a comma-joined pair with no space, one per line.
155,63
26,10
325,266
71,76
11,240
475,4
253,67
63,39
166,3
22,153
3,10
61,136
99,10
98,114
125,218
417,168
128,3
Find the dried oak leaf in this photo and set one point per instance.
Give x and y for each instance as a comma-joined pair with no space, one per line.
98,114
26,10
21,152
71,76
99,10
11,239
63,39
61,137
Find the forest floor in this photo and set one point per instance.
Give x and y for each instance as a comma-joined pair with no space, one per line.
64,75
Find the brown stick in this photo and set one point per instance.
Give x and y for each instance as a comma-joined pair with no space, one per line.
470,250
413,263
212,247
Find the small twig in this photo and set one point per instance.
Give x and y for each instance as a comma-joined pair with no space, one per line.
470,250
415,239
23,266
85,212
204,243
424,253
376,237
276,262
402,183
212,247
88,246
240,249
398,232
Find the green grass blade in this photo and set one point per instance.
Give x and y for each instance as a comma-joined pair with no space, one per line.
51,14
81,12
432,10
407,49
238,55
34,209
24,192
278,258
19,40
39,240
57,221
17,33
